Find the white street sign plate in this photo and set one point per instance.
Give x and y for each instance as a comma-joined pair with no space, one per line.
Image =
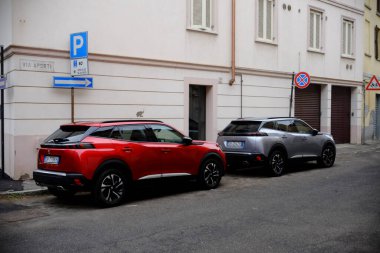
79,67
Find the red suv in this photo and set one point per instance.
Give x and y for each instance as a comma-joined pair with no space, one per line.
106,157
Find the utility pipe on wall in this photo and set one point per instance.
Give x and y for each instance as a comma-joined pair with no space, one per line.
233,69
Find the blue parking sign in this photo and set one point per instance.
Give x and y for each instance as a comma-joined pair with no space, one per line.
78,45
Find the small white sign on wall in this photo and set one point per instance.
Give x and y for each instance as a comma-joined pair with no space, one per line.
79,67
32,65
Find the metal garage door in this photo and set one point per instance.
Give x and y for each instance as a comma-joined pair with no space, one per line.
307,105
341,114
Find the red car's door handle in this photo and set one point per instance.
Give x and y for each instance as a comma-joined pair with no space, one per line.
127,149
165,150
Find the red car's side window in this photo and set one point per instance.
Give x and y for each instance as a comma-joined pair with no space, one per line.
166,134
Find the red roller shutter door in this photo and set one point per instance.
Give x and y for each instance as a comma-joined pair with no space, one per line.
307,105
341,114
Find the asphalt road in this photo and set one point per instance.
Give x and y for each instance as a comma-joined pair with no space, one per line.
307,210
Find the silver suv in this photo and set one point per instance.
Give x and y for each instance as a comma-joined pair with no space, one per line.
271,142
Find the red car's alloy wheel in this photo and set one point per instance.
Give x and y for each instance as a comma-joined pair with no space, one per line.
111,186
210,174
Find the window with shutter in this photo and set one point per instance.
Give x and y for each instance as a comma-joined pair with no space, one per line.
347,38
201,14
265,20
315,30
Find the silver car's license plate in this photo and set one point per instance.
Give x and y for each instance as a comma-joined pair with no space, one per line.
51,159
235,144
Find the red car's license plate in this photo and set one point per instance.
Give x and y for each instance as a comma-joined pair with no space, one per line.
51,159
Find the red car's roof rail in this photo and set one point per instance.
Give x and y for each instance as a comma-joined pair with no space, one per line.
131,120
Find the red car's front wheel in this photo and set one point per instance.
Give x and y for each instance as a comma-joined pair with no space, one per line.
210,173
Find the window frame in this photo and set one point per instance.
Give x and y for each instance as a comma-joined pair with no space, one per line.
201,28
344,42
320,12
368,40
273,26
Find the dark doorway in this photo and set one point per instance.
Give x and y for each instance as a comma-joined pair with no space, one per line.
341,114
197,112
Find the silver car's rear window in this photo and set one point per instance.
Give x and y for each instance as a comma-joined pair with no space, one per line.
241,127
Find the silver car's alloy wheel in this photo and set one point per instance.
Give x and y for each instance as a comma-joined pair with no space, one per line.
211,174
328,156
112,188
277,163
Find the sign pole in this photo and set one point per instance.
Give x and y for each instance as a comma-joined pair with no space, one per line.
291,96
2,116
72,105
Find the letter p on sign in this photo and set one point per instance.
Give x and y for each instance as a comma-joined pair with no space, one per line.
78,45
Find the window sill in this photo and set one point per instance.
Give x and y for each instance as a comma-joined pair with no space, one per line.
201,30
313,50
378,13
349,57
368,55
268,42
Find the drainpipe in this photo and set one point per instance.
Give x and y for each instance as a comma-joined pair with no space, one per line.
363,116
233,68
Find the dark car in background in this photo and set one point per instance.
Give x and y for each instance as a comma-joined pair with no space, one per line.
272,142
106,157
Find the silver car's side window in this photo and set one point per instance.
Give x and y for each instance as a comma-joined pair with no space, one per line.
302,127
285,125
269,125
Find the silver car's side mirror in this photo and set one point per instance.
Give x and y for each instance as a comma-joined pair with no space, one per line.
314,132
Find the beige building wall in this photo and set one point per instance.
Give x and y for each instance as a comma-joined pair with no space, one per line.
371,66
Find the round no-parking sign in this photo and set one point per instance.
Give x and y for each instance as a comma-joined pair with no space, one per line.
302,80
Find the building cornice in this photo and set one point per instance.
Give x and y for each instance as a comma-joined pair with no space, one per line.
343,6
64,54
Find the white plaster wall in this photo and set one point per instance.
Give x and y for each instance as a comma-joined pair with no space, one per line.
5,22
127,28
290,52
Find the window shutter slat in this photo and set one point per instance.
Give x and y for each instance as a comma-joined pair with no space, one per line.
208,13
197,12
269,20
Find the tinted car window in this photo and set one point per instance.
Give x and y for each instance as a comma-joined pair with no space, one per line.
268,125
102,132
285,125
302,127
68,134
241,127
166,134
130,133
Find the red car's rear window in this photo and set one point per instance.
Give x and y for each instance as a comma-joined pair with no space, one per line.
68,133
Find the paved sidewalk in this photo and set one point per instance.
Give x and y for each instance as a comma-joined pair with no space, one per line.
29,187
